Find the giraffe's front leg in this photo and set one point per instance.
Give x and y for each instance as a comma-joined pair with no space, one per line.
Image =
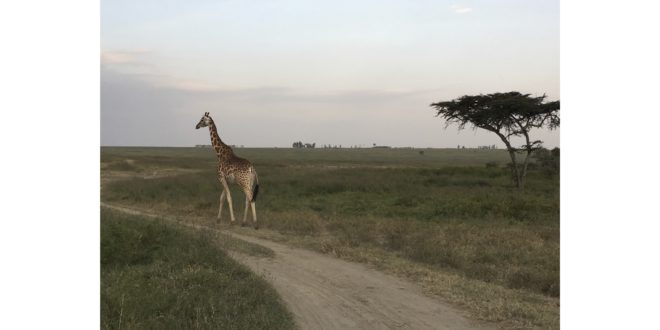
222,202
229,201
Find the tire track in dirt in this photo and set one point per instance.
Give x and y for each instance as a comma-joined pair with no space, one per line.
328,293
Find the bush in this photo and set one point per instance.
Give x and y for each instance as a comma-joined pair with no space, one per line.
547,161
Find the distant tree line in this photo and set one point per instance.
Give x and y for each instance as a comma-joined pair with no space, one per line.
339,146
335,146
299,144
490,147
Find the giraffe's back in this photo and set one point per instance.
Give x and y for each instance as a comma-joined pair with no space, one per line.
234,164
237,170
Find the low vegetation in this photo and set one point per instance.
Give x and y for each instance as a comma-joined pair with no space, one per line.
450,219
156,275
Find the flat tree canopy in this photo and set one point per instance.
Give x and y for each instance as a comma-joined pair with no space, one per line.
505,114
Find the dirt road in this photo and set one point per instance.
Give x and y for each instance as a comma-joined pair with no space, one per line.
328,293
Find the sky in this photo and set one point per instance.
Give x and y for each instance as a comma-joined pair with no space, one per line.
331,72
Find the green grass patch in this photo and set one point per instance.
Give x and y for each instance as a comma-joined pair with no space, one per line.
122,165
156,275
273,157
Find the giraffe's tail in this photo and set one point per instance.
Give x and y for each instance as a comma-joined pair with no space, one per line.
255,191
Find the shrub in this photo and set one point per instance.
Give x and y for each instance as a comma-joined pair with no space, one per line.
492,165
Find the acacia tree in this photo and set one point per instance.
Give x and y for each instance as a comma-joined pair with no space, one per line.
507,115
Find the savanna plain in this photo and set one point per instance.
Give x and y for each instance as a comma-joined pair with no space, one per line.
448,220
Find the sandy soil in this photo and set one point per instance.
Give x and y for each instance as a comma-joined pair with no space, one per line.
328,293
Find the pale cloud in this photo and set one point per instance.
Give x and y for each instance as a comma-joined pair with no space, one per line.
123,57
270,93
139,64
460,9
192,86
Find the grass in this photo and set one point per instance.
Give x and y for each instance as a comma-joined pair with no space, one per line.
284,157
156,275
449,214
122,165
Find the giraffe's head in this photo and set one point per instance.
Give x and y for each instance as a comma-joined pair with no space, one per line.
205,121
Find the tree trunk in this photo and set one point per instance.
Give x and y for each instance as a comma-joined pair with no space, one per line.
529,150
517,175
524,168
515,169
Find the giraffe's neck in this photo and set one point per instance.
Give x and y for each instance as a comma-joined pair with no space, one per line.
221,149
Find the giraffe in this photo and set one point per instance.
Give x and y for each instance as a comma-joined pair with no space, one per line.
232,169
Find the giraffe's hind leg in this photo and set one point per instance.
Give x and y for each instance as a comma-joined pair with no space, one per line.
222,202
246,184
254,215
245,213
